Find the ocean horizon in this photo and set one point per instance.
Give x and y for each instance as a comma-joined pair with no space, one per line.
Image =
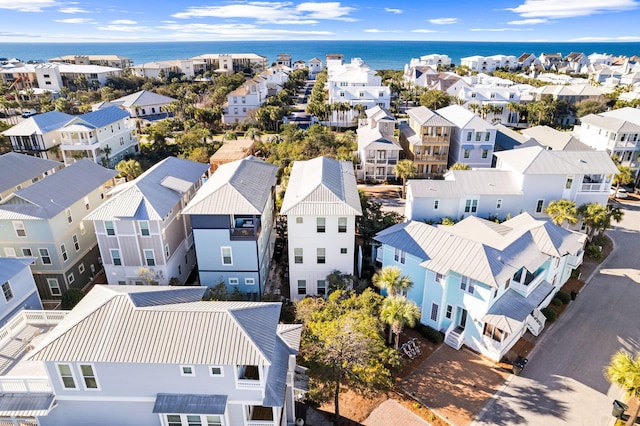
378,54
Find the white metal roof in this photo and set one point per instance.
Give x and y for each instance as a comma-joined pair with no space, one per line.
18,168
459,183
426,117
465,119
538,160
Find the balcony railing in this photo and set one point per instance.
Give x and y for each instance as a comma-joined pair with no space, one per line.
24,318
78,141
592,187
427,157
24,385
435,139
249,384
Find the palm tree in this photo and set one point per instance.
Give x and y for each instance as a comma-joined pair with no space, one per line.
399,312
460,166
598,217
253,134
561,211
130,169
229,136
624,370
403,170
391,280
624,176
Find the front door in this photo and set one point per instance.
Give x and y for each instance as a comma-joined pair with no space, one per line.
463,319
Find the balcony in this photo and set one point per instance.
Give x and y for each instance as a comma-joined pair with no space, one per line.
75,140
442,139
245,229
428,157
528,284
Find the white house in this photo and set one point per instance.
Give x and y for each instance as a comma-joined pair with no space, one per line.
524,180
472,138
241,101
18,287
433,60
39,135
315,67
54,76
142,104
141,225
481,283
489,63
18,171
114,61
113,360
321,204
378,148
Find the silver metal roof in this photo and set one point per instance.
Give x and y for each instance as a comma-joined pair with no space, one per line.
238,187
426,117
10,266
39,124
180,403
25,404
369,138
141,99
511,309
322,187
460,183
464,119
18,168
538,160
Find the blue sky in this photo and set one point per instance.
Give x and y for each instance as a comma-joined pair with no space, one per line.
462,20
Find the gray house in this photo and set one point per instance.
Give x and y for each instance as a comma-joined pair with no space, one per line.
232,217
44,220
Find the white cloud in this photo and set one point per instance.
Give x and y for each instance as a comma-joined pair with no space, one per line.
391,10
443,21
72,10
623,38
528,22
494,30
27,5
330,10
376,30
239,32
423,30
123,22
570,8
126,28
75,21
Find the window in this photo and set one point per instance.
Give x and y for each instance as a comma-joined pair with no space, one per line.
54,286
66,375
216,371
6,290
302,286
342,224
322,287
88,376
297,255
449,311
434,312
18,226
10,252
108,225
569,182
498,204
320,224
71,278
144,228
399,256
81,268
26,252
227,256
343,250
76,243
63,250
506,285
214,420
467,285
321,255
466,153
487,136
250,281
69,218
539,205
436,204
115,255
167,252
234,281
298,220
187,370
469,136
439,278
471,206
485,152
478,136
82,228
149,257
44,256
86,203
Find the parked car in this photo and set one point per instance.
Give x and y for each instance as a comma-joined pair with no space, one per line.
621,193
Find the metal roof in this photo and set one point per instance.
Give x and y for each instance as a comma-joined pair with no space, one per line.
101,117
538,160
464,119
152,194
39,124
371,138
25,404
240,187
141,99
18,168
512,309
179,403
460,183
48,197
425,117
322,187
611,123
11,266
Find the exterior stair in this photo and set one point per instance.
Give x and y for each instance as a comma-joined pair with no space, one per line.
454,337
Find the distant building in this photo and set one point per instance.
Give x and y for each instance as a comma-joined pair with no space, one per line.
39,135
19,171
114,61
142,104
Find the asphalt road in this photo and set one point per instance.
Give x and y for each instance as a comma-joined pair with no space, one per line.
563,383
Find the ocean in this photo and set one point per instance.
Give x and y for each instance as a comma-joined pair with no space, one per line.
377,54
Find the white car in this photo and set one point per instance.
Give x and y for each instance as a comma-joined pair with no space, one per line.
622,193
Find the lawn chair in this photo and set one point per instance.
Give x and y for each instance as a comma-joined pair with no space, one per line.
415,345
409,350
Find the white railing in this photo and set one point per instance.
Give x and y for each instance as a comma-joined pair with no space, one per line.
575,261
260,423
24,385
249,384
24,318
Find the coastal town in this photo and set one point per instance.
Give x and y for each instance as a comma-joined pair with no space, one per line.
228,240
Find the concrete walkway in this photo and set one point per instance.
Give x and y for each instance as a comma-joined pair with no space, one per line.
391,412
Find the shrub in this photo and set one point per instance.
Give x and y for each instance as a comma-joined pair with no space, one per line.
550,313
556,302
71,298
564,297
575,273
431,334
593,251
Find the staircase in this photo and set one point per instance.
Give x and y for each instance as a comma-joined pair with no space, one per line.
535,322
454,337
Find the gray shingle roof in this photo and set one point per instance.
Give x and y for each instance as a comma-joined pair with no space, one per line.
538,160
239,187
17,168
39,124
47,198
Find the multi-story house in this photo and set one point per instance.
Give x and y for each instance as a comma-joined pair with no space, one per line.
315,67
52,77
113,360
489,63
321,204
114,61
142,235
433,60
425,140
600,58
44,220
481,283
524,180
551,61
232,217
527,60
472,138
284,59
18,171
617,132
492,101
231,63
554,139
574,62
142,104
39,135
104,136
158,69
378,148
241,101
18,288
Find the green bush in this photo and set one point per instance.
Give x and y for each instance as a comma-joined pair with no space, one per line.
550,313
564,297
556,302
593,251
431,334
70,298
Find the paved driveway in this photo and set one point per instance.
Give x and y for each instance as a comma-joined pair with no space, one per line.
563,383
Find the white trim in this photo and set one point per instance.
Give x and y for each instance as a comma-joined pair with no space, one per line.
73,375
222,248
95,377
211,374
183,373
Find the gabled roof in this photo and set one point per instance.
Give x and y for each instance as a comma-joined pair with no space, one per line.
464,119
47,198
538,160
11,266
18,168
152,194
372,138
425,117
142,99
555,139
100,118
322,187
457,183
240,187
107,326
39,124
379,114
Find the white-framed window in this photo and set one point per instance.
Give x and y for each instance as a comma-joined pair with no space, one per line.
68,213
115,256
470,206
498,203
342,224
298,219
539,205
76,243
234,281
187,370
434,312
298,255
44,256
89,379
167,252
436,204
63,250
144,228
81,268
569,182
478,136
108,226
320,224
216,371
321,287
26,252
67,378
487,136
469,136
150,257
249,281
302,286
449,312
86,203
192,420
399,255
6,291
227,255
82,228
321,255
468,285
10,252
54,286
485,152
439,278
18,226
71,278
466,153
